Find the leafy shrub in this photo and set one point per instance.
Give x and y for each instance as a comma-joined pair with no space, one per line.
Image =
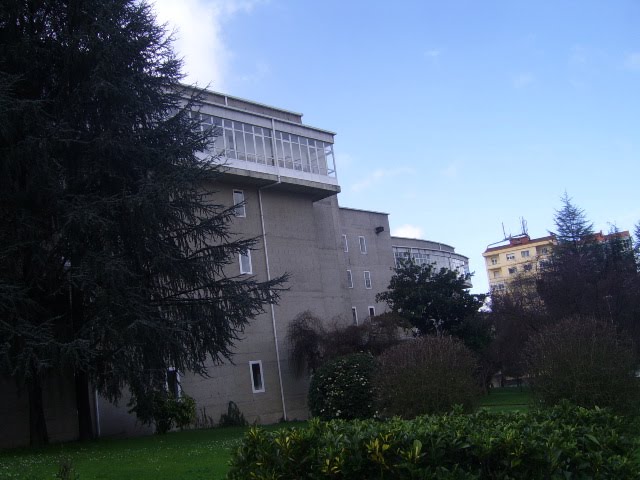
584,361
312,345
165,411
343,388
427,375
563,442
233,418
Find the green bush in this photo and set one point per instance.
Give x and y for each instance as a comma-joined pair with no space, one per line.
585,361
563,442
427,375
165,411
233,418
343,388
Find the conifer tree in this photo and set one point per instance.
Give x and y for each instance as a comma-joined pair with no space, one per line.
113,251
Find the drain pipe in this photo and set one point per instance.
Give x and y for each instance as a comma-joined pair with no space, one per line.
273,312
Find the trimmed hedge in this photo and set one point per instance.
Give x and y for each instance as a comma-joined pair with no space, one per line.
343,388
563,442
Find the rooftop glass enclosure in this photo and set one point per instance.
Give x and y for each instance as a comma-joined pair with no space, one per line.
243,142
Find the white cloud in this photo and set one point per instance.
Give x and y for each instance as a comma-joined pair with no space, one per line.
632,62
408,231
523,80
198,26
378,176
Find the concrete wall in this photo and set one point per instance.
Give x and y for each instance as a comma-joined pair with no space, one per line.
378,259
59,411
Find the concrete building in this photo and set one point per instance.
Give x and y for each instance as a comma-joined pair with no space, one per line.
283,172
426,251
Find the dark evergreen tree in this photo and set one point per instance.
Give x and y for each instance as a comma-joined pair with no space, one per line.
112,249
432,301
589,274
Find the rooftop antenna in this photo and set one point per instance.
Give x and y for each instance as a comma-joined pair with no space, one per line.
523,224
504,233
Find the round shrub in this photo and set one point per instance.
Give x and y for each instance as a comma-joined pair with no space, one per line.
426,375
343,388
585,361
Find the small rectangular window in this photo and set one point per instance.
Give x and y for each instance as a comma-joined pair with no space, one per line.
372,311
524,253
496,274
239,205
173,382
345,243
354,315
513,270
494,260
245,262
511,256
363,244
349,279
367,279
257,378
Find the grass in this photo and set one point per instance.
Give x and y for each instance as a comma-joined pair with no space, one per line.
193,455
507,399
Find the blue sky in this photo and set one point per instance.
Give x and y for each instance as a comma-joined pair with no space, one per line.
453,117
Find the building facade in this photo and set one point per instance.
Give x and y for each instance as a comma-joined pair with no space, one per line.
281,173
522,256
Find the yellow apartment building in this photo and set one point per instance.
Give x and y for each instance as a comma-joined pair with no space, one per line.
520,257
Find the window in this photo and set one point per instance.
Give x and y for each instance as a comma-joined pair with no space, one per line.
363,244
511,256
494,260
173,382
345,243
524,253
245,262
513,270
498,287
527,267
349,279
372,311
238,202
257,379
496,273
367,279
543,250
354,315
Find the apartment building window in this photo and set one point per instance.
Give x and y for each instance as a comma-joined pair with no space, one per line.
513,270
354,315
345,243
245,262
496,273
349,279
238,202
173,382
257,377
524,253
367,279
543,250
527,267
494,260
363,244
511,256
372,311
498,287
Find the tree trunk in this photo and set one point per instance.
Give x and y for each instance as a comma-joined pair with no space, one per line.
83,405
38,434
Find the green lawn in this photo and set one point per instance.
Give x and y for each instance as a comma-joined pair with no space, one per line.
192,455
507,399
